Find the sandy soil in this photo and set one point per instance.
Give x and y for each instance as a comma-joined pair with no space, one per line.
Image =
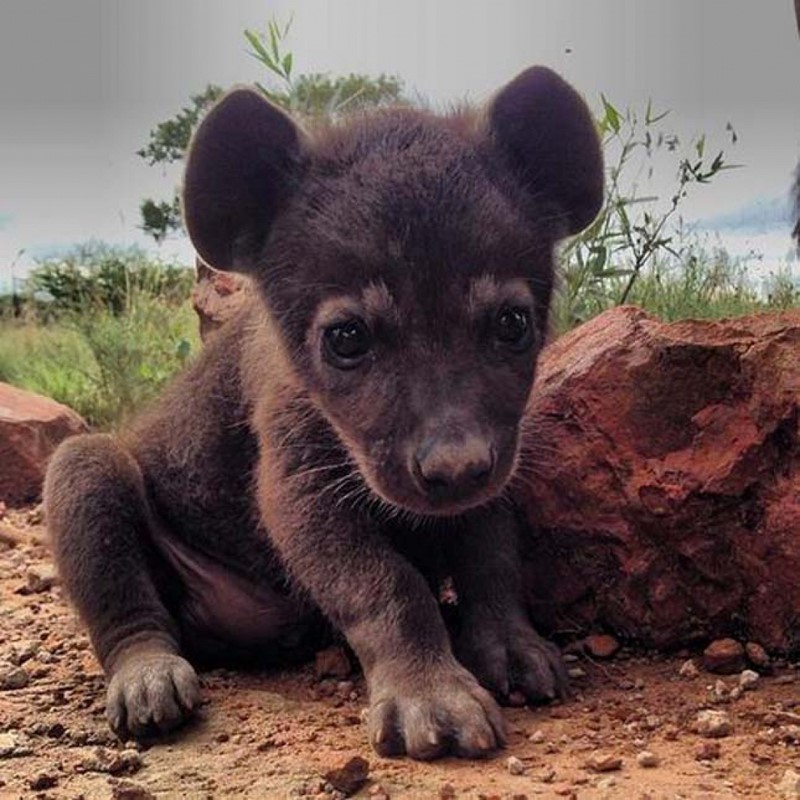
278,734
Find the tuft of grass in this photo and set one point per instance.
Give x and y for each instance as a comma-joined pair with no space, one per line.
104,365
701,286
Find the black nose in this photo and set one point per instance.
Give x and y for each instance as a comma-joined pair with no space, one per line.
453,468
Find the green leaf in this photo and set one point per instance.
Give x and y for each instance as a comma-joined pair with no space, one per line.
255,42
700,146
273,38
612,116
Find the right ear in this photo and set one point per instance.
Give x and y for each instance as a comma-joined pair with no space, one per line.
243,161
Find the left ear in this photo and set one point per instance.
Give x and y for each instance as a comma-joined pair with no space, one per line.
549,135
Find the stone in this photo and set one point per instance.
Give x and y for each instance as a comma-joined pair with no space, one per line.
128,790
708,751
515,766
42,781
688,669
713,724
217,297
603,762
12,677
23,650
537,737
14,744
757,655
349,778
748,680
31,426
789,785
724,656
41,578
647,759
664,476
103,759
601,645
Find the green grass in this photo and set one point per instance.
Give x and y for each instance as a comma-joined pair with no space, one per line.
710,287
103,365
108,360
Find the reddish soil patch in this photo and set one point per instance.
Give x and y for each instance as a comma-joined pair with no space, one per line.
277,734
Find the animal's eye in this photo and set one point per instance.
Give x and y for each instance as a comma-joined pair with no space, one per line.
346,343
513,328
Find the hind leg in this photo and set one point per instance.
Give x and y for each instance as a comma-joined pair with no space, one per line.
100,525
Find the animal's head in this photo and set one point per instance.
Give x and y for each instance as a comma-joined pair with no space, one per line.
407,261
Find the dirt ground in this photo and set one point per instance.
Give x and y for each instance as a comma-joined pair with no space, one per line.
279,734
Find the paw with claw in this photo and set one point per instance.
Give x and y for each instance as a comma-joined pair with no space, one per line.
431,712
509,656
150,692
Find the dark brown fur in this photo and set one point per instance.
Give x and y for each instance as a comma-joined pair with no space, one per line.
277,488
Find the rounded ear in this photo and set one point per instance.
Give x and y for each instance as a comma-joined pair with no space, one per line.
548,133
241,166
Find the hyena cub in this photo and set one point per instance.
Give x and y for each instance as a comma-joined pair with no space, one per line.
343,444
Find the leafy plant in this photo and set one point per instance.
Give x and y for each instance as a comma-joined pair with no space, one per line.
633,231
114,329
97,276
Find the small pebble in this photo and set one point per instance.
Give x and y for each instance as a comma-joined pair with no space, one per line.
14,743
707,751
515,766
647,759
23,651
604,762
576,672
548,775
349,778
748,680
12,678
601,645
41,578
688,669
42,781
671,732
789,786
713,724
757,655
724,656
128,790
537,737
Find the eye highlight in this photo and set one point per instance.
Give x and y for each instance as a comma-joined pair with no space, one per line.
513,328
344,344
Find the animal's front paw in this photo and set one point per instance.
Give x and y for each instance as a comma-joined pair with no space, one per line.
151,692
508,657
433,712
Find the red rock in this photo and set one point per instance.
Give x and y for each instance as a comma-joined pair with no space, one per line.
663,489
30,428
217,296
601,645
724,656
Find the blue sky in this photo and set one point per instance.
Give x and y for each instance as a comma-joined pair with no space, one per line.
83,81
